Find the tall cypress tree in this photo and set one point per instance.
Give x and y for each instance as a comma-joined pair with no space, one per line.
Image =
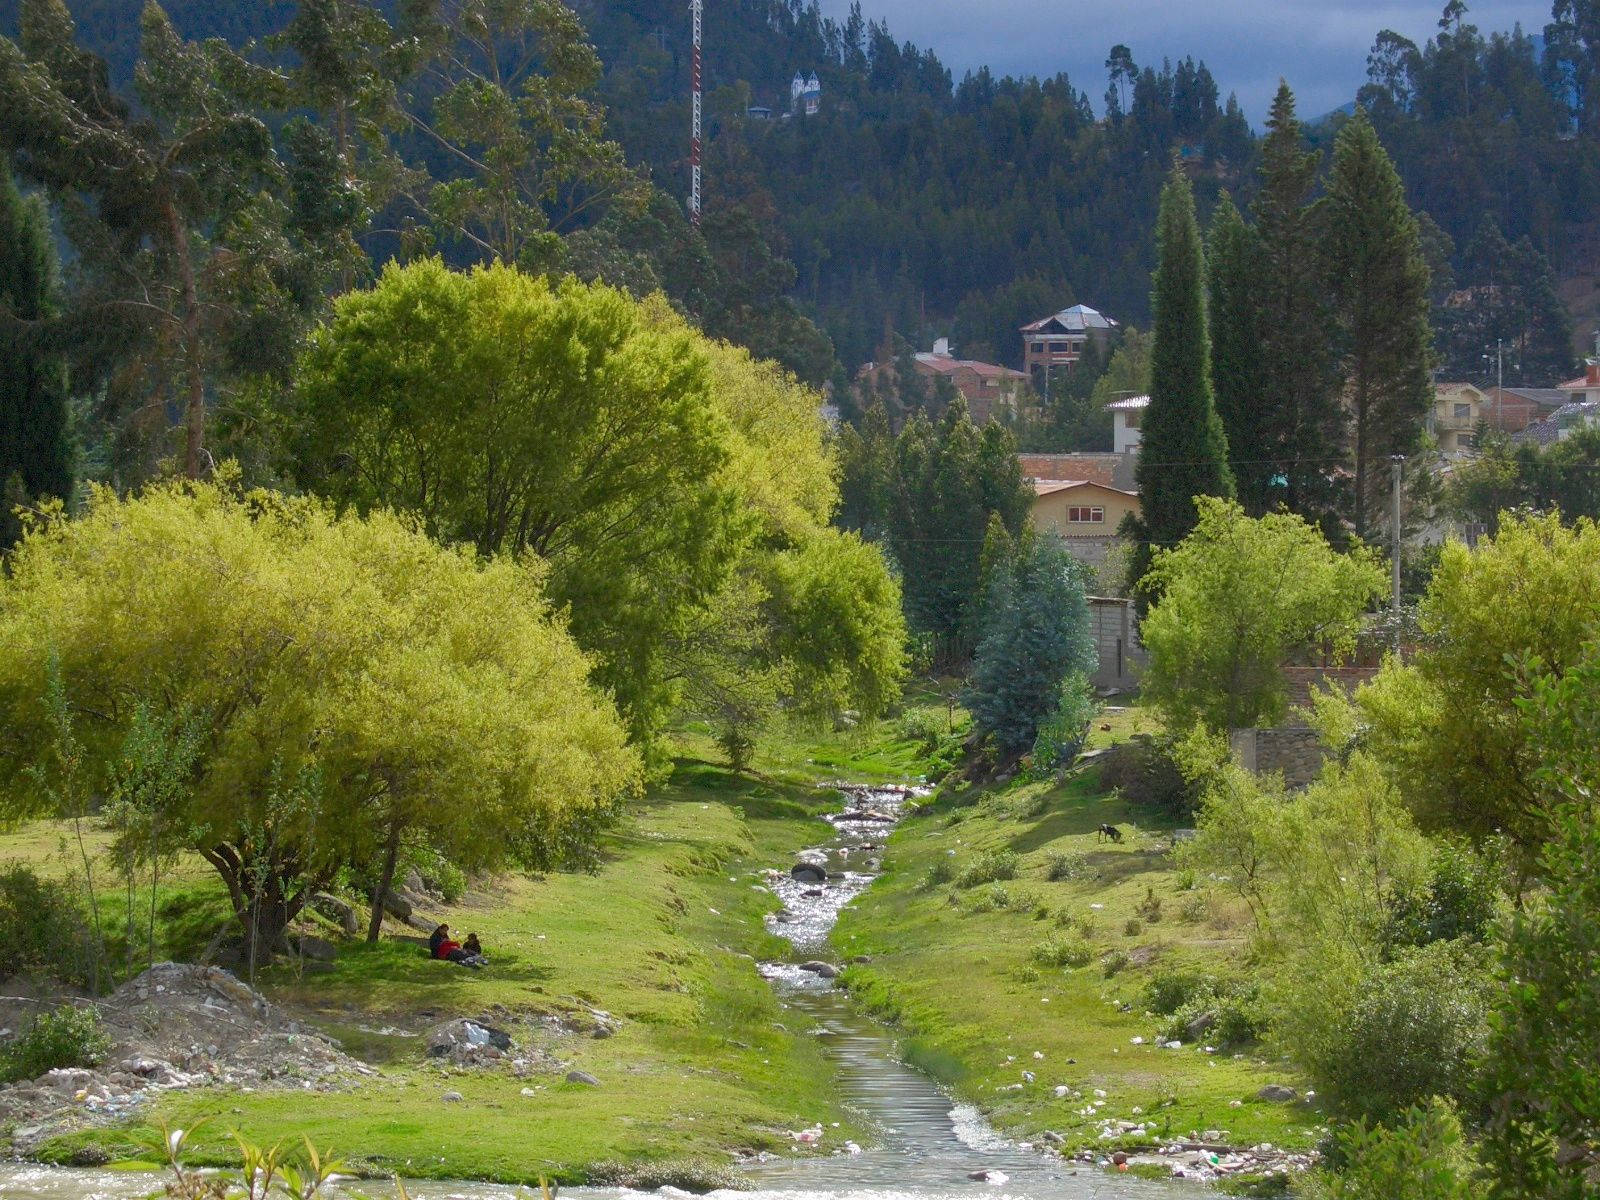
1235,268
1183,451
1300,418
35,454
1378,285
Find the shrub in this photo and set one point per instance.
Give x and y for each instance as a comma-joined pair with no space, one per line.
42,927
996,899
1193,908
67,1037
924,726
1172,988
1422,1156
1150,907
1063,951
1062,865
1114,962
1146,772
1132,927
1238,1014
988,868
1413,1028
1459,900
942,871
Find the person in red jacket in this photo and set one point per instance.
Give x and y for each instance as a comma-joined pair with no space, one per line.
442,946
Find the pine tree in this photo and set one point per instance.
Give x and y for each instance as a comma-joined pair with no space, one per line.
1378,285
35,452
1184,452
1300,417
1235,269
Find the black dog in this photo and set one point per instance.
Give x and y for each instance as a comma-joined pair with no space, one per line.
1109,831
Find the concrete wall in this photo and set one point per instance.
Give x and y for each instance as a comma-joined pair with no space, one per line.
1116,638
1290,750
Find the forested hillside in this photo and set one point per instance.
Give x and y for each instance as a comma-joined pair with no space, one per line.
924,204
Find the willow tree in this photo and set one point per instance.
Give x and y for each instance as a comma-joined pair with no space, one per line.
350,686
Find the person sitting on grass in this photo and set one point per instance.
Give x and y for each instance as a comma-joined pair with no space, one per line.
473,946
442,946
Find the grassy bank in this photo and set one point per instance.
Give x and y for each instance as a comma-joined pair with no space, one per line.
973,970
705,1064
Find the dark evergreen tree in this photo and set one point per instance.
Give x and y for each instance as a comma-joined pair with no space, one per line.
1299,418
1036,635
35,451
1377,281
1236,268
1183,451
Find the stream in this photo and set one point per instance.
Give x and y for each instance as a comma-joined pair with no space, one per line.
925,1145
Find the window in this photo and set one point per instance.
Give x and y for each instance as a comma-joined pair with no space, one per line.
1130,417
1086,516
1463,412
1059,348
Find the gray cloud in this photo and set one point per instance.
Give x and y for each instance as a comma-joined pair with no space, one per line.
1320,48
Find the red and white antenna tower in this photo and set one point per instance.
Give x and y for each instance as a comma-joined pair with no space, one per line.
694,132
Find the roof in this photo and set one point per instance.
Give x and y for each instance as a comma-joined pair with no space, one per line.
1114,471
1077,319
1543,397
1548,431
1129,403
1540,433
1575,385
945,364
1050,487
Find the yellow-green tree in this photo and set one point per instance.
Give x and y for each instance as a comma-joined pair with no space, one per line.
1447,724
352,686
1239,596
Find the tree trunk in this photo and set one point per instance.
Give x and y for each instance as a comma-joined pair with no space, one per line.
391,855
194,415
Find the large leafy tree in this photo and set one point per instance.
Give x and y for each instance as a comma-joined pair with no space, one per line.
1541,1089
35,449
1446,724
514,415
178,207
1183,451
1239,598
347,686
1377,280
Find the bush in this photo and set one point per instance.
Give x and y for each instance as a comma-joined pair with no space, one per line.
1174,987
1063,951
927,727
1422,1156
988,868
42,927
68,1037
1413,1028
996,899
1459,900
1193,908
1061,735
942,871
1146,772
1061,866
1238,1016
1114,962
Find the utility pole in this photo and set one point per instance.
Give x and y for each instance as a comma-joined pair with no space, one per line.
694,132
1396,465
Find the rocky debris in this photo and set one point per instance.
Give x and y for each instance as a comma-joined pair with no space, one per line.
468,1043
825,970
1277,1093
176,1027
582,1077
1195,1028
989,1175
338,910
452,1097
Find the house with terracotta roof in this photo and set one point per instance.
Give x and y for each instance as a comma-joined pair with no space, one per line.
1057,342
1082,498
992,392
1453,419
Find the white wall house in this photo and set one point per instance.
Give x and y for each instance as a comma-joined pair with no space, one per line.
1127,415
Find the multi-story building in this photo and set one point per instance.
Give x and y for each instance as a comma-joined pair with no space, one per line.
1453,419
1056,343
992,392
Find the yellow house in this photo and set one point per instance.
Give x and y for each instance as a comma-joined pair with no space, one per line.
1457,408
1087,515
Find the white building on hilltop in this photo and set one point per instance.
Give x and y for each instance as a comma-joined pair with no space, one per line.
805,95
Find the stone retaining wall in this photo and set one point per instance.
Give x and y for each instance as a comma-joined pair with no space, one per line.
1293,751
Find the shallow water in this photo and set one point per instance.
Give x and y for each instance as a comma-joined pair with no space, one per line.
925,1145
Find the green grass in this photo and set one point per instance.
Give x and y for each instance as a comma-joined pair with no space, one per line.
663,935
963,979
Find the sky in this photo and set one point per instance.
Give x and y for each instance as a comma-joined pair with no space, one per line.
1319,46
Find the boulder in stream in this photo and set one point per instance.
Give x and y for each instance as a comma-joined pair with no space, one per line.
808,872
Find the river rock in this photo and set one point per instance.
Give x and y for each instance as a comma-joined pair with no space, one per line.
340,911
582,1077
316,949
825,970
1199,1025
806,872
989,1175
1277,1093
467,1042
